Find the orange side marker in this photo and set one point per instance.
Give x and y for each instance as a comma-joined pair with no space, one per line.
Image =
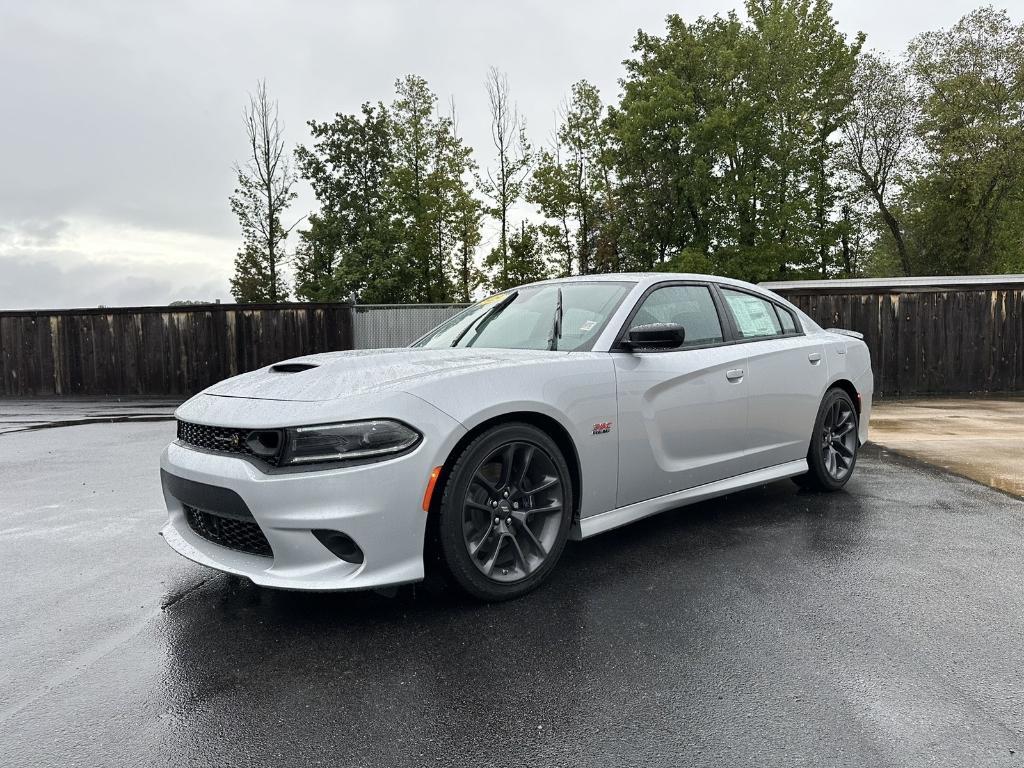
430,488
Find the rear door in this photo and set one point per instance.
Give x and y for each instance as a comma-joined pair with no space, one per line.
786,375
682,413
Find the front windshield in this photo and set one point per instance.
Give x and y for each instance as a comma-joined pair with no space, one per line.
523,318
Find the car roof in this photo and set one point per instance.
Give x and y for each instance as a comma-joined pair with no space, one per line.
643,280
649,278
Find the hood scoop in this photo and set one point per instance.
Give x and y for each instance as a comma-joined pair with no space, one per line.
292,367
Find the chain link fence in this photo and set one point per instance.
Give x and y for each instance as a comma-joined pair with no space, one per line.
378,326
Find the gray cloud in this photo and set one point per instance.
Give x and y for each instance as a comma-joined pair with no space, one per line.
62,279
33,233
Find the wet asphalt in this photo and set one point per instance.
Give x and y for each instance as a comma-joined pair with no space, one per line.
882,625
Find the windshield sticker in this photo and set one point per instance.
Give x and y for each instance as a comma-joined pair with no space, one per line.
587,326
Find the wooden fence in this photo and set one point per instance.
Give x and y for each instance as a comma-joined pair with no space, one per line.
171,351
927,335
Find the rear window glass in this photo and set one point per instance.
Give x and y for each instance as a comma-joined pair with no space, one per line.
786,318
755,317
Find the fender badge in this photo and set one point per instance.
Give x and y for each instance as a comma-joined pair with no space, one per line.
602,428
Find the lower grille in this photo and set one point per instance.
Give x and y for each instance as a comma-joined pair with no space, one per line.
240,535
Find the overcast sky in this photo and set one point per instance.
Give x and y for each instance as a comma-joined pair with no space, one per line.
121,120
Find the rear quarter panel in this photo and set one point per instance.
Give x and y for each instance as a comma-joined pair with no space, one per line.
849,358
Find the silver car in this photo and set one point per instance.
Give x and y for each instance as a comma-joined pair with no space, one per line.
557,410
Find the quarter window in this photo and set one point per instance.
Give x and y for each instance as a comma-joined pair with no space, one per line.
786,317
690,306
755,317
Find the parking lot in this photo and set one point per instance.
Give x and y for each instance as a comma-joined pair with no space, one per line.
881,625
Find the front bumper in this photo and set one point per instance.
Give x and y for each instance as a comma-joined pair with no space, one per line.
378,505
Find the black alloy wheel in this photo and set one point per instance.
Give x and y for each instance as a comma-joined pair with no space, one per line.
506,511
832,454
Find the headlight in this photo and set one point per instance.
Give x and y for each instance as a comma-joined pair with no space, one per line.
347,441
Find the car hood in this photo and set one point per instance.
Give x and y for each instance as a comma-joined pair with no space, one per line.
333,375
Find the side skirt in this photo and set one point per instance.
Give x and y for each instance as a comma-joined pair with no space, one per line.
606,521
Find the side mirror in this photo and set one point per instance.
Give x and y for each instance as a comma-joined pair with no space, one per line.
655,336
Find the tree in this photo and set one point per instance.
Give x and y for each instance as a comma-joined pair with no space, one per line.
504,185
263,193
432,171
665,156
420,153
397,214
573,186
966,207
803,76
468,216
465,213
878,140
353,243
525,256
724,142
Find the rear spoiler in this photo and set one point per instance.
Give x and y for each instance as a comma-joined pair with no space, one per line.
845,332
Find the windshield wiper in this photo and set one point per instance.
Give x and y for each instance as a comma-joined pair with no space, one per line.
556,323
485,318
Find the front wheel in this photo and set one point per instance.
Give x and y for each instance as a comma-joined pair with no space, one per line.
506,511
832,454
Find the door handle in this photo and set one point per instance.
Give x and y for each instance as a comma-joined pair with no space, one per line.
734,375
814,357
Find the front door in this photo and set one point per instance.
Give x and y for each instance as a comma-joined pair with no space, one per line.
682,414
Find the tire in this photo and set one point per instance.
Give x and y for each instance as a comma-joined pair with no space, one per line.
832,453
505,512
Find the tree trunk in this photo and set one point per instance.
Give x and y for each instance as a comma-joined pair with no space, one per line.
844,239
897,233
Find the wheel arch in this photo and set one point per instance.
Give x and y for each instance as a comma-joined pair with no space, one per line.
847,386
547,424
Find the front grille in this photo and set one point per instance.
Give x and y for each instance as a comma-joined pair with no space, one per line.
240,535
224,440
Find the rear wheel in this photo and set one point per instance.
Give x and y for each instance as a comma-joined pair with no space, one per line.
832,454
506,511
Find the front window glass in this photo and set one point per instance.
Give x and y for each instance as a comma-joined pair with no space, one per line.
755,317
523,318
690,306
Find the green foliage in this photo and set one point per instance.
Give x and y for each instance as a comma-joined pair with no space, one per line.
724,140
252,282
525,257
353,243
468,216
398,221
573,186
966,208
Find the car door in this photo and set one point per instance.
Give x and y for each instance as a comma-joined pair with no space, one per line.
786,375
681,412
